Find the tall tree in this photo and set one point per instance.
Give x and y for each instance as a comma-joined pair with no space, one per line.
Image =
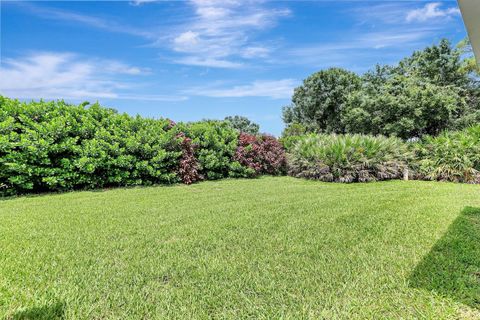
243,124
469,64
317,104
403,107
432,90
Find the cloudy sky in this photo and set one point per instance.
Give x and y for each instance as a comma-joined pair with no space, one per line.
189,60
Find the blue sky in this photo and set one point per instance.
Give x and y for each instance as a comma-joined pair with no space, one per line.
189,60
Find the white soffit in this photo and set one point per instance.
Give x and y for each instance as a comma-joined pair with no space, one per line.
471,16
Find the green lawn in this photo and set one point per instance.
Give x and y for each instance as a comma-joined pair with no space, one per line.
265,248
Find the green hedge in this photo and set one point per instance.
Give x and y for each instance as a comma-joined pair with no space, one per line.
54,146
216,143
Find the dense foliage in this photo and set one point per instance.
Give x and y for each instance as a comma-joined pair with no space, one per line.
262,154
55,146
51,146
348,158
469,63
243,124
216,143
451,156
318,103
431,91
404,107
188,168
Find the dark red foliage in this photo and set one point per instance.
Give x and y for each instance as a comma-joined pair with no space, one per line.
272,155
188,165
264,154
171,124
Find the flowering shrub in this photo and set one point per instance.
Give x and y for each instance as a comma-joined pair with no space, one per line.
264,154
188,166
272,156
247,153
54,146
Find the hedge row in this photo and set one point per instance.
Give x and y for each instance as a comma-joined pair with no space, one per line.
348,158
53,146
451,156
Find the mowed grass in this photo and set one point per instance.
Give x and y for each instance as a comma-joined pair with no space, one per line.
265,248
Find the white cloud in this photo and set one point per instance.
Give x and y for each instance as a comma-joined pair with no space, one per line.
221,30
208,62
186,41
254,52
150,97
140,2
369,40
392,39
117,67
275,89
431,11
87,20
358,51
219,34
385,12
68,76
401,12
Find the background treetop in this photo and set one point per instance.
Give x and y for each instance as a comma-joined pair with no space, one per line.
432,90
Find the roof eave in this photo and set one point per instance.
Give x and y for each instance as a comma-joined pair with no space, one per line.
471,16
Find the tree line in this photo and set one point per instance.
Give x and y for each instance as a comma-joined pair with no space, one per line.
433,90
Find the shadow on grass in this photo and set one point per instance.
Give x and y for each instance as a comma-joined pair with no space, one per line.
452,268
49,312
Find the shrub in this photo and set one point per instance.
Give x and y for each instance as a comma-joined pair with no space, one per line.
216,143
188,166
271,156
246,156
348,158
49,146
451,156
262,154
291,134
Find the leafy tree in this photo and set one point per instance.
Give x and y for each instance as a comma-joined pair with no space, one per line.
402,107
294,129
439,64
432,90
243,124
469,64
317,104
